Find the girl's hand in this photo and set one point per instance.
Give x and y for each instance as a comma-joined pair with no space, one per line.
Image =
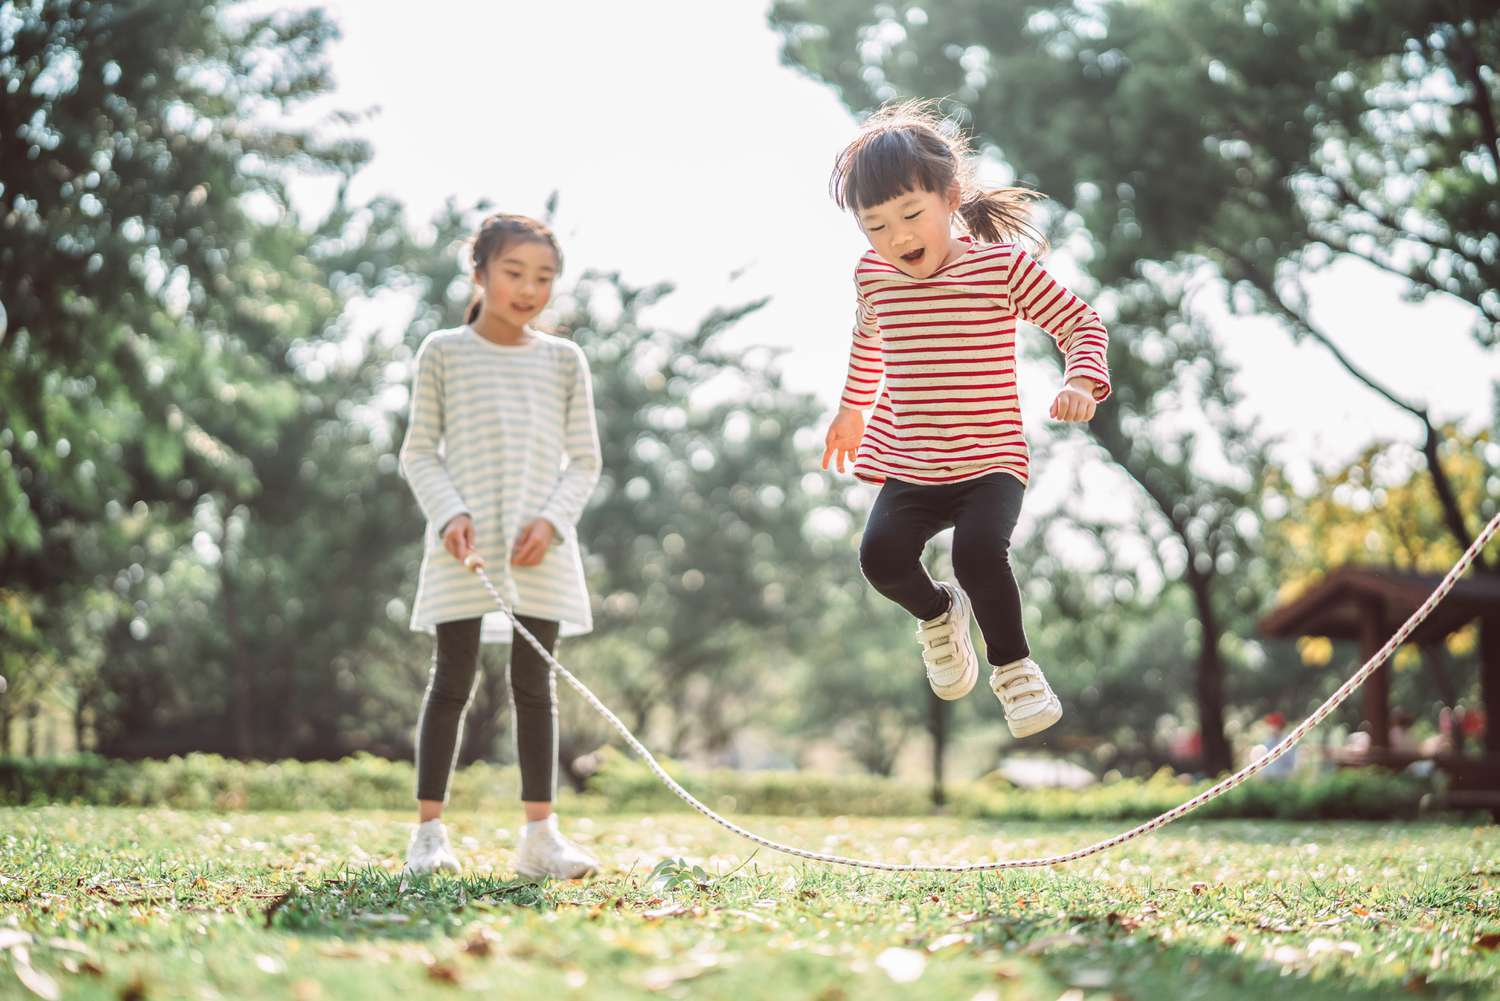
533,543
458,537
844,435
1075,402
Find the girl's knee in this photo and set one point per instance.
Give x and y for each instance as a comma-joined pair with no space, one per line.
880,562
975,565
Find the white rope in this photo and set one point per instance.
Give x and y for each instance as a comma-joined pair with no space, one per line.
1215,791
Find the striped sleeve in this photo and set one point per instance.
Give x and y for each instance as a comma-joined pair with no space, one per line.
1073,324
866,368
581,472
421,461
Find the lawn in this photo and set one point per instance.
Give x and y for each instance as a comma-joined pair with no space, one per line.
138,904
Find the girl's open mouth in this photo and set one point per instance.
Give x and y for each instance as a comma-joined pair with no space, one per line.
914,256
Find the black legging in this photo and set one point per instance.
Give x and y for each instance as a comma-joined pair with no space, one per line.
983,513
455,667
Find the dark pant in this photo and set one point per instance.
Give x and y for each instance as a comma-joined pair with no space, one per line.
982,513
455,668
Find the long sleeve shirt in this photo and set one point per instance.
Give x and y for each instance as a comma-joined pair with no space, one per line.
936,358
504,434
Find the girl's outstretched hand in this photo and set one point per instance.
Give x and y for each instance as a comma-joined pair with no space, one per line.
843,438
1075,402
533,543
458,537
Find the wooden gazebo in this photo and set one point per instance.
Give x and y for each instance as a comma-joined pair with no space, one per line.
1367,605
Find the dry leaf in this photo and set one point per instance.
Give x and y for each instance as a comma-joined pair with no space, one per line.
442,972
902,965
32,979
10,938
1489,940
948,941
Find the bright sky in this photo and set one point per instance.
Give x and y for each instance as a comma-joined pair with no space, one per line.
684,150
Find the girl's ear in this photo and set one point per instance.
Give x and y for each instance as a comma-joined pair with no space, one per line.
479,277
955,196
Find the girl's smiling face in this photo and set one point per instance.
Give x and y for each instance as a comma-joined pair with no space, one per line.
913,231
517,281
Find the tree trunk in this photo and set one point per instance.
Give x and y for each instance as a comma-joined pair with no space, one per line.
242,695
80,722
1210,681
937,725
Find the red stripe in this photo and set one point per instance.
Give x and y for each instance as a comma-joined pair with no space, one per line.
944,379
955,309
966,475
893,458
1007,333
935,361
967,385
930,298
1007,438
943,323
928,285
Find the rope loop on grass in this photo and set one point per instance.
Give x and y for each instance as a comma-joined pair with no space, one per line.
1214,792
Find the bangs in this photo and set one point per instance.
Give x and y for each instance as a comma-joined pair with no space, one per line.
886,164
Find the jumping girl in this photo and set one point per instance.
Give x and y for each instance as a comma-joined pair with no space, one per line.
934,353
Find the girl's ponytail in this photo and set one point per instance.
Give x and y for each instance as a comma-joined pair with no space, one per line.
997,215
909,146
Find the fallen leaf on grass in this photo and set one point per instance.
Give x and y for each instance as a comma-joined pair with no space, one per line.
902,965
1323,946
670,911
445,973
10,938
1062,940
482,942
1489,940
32,979
948,941
659,978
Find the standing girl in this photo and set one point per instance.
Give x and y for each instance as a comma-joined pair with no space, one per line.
936,322
502,453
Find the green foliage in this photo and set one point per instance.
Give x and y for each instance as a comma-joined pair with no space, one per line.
624,785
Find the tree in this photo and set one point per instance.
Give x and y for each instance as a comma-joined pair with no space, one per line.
136,143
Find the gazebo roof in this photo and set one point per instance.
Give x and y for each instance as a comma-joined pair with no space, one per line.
1339,605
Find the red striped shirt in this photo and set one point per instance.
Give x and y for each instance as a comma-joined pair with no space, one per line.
936,358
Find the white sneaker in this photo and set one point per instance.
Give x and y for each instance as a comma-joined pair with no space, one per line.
544,853
947,649
430,851
1030,704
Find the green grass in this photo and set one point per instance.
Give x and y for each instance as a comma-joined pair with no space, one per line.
119,903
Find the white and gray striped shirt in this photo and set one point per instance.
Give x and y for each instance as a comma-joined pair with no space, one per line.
505,435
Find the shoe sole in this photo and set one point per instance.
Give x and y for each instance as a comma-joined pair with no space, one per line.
966,682
1037,722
